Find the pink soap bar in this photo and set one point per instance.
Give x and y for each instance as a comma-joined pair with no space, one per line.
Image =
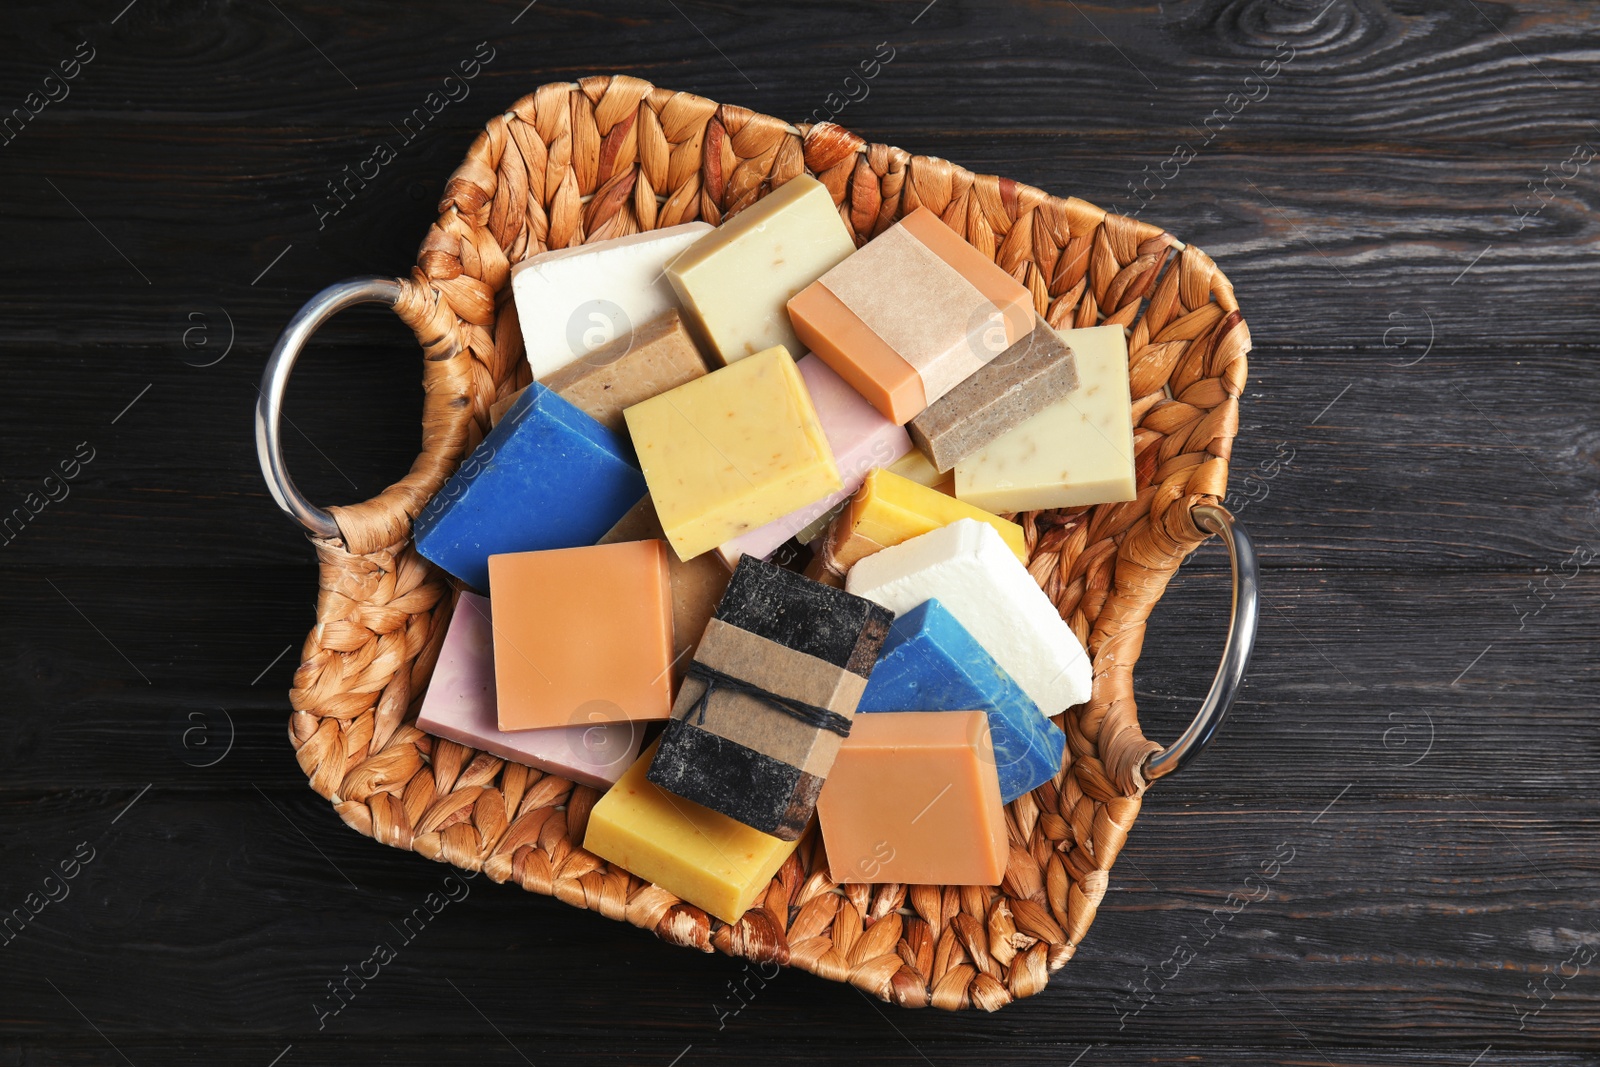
460,706
862,440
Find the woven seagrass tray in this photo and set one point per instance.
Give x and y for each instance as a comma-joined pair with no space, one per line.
608,156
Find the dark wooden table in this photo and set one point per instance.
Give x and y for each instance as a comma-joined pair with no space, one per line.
1405,197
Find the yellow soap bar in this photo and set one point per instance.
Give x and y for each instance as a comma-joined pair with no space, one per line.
713,862
889,509
920,469
732,451
1077,451
735,282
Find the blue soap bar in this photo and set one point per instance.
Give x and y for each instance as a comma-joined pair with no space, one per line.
931,663
547,476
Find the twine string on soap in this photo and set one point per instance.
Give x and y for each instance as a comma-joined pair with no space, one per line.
816,717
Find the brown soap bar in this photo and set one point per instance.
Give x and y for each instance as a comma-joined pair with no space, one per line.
697,586
1012,388
769,697
634,367
498,409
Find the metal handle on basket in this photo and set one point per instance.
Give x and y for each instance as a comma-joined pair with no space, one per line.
275,379
1246,612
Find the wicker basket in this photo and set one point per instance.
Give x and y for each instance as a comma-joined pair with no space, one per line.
605,157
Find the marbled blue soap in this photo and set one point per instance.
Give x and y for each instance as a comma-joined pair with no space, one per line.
547,476
931,663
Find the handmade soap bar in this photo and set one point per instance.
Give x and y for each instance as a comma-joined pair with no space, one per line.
573,300
548,476
582,635
931,663
978,580
713,862
697,585
768,698
1078,450
460,706
1012,388
889,509
920,469
913,798
735,281
911,315
655,357
732,451
861,440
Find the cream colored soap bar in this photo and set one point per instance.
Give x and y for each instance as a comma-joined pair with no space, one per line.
730,452
1077,451
736,281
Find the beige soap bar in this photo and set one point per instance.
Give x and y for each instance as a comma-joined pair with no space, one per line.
652,359
735,282
658,356
697,586
1077,451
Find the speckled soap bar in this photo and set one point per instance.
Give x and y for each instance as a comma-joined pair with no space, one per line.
862,441
730,452
655,357
734,282
1010,389
1078,450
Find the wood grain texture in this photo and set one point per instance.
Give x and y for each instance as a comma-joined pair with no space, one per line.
1374,195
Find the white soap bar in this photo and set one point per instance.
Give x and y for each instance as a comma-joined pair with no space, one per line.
573,300
1077,451
968,568
736,282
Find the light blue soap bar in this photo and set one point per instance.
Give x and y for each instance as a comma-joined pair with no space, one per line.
547,476
931,663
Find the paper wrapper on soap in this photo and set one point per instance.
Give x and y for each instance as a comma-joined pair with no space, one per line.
769,698
911,315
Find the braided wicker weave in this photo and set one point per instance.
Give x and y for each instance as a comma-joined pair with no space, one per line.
606,157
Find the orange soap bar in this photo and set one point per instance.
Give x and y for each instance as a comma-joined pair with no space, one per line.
911,315
582,635
697,586
914,797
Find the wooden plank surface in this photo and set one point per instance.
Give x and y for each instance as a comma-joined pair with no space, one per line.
1391,187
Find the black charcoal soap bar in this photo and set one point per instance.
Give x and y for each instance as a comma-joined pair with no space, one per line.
834,626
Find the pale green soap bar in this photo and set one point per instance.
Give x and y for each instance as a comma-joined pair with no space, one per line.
735,281
1075,452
